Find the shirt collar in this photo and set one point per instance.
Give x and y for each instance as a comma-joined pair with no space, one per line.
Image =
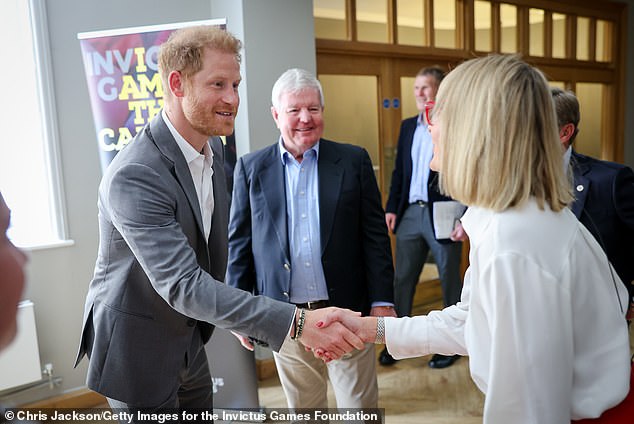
188,151
567,156
475,222
284,154
420,120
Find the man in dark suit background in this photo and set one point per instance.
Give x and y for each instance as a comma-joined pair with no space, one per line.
157,289
409,214
604,192
307,228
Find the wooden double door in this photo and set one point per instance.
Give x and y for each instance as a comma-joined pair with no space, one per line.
366,98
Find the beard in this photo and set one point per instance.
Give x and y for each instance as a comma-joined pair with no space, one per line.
205,120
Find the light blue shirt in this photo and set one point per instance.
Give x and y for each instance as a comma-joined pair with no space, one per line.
422,153
308,283
567,157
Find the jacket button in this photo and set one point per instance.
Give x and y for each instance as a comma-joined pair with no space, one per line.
287,267
285,294
191,322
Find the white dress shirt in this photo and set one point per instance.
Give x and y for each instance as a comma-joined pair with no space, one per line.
541,318
200,167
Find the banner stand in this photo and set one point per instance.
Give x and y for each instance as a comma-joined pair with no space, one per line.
126,92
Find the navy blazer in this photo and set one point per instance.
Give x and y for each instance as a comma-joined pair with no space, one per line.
355,247
605,205
398,199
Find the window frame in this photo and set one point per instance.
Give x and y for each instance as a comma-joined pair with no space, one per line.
45,93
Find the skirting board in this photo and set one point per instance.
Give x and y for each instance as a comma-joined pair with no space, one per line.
76,399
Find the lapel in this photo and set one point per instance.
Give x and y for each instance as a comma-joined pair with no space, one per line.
330,179
581,185
162,138
218,180
408,139
217,242
271,178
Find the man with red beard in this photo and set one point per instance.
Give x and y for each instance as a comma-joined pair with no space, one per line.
157,289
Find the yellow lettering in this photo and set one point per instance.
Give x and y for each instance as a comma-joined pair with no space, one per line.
128,88
152,107
153,111
155,85
145,87
140,58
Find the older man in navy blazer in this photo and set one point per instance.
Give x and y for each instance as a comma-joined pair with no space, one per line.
306,227
604,192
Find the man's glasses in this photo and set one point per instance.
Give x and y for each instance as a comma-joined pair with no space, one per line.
429,112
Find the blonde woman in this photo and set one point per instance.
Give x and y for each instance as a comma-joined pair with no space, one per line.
542,311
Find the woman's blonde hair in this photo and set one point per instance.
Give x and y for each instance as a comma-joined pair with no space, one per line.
499,136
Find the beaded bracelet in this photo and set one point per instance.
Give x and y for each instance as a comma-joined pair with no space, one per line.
300,324
380,331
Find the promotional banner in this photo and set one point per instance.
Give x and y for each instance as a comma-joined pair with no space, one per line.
126,92
125,88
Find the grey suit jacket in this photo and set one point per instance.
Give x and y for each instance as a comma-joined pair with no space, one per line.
157,281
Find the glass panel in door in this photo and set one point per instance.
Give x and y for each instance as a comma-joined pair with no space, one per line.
445,24
410,22
330,19
508,30
372,21
482,25
351,113
590,97
559,35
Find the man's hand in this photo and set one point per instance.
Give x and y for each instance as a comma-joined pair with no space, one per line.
383,311
390,220
458,233
363,327
244,341
334,341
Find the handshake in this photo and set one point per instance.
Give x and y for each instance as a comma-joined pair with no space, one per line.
332,332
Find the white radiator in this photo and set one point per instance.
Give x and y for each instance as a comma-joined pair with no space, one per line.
20,362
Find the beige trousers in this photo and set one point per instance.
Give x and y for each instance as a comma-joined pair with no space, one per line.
304,378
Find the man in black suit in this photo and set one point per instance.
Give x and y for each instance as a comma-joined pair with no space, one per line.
604,193
409,214
306,227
